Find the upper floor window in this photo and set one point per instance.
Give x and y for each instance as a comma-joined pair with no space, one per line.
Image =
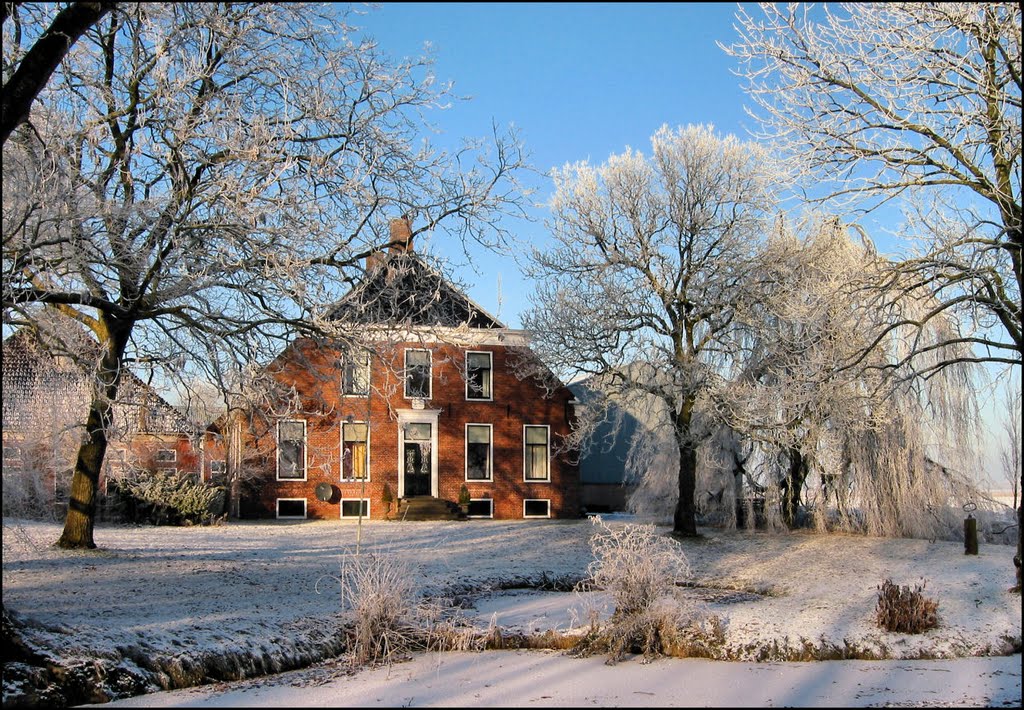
166,456
478,376
291,450
355,375
536,453
417,374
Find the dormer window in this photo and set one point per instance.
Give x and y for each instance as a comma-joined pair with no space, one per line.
417,374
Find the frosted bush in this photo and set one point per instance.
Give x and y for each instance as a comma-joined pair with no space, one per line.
636,565
641,571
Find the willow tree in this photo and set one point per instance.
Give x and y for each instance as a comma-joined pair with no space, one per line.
893,448
650,261
919,102
201,178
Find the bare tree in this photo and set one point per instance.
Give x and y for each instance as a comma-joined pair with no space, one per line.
199,182
916,100
650,261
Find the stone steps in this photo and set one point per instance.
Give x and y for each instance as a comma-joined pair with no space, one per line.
425,508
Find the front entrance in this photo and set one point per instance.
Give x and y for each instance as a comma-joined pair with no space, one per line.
417,459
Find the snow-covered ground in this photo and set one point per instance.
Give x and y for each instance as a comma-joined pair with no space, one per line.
265,596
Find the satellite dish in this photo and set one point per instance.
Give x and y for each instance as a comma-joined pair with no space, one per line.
324,492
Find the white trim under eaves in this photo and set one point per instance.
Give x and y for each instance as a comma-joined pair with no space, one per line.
459,337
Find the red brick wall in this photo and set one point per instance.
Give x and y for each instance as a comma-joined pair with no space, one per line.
515,403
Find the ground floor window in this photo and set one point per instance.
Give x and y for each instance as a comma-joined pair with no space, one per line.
12,454
218,468
536,508
291,508
535,453
355,451
291,450
478,452
481,508
355,507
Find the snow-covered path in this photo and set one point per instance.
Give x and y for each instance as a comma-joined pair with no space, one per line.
549,679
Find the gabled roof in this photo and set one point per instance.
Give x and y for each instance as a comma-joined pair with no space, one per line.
37,383
403,290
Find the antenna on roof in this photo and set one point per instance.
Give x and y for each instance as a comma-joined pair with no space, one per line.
500,299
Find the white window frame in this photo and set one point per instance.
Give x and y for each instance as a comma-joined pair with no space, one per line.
430,373
341,434
547,428
490,453
172,459
12,453
341,509
223,466
305,449
346,363
477,500
277,509
535,500
490,375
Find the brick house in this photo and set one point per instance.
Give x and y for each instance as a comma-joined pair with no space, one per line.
45,402
435,399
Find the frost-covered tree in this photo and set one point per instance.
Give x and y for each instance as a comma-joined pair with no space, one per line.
23,83
650,260
883,450
198,182
915,101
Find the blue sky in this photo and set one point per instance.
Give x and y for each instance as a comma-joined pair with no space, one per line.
580,81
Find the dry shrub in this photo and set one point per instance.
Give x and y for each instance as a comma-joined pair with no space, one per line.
640,569
386,616
379,594
905,610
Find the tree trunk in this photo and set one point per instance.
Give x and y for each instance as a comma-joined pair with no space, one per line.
793,486
1020,536
81,516
684,522
233,463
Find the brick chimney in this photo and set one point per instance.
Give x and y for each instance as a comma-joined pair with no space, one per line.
400,241
401,235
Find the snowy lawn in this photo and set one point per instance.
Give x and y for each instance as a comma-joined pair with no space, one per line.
265,596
